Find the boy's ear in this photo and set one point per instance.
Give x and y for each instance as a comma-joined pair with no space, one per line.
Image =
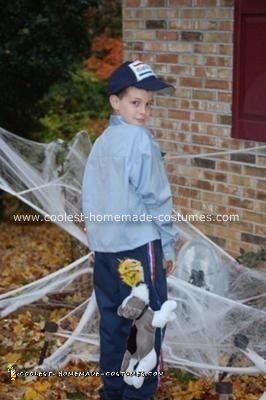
114,101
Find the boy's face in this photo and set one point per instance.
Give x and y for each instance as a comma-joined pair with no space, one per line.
134,106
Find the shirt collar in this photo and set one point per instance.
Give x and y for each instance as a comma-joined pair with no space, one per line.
116,120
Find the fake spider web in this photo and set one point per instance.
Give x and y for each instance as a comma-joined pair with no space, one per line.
216,297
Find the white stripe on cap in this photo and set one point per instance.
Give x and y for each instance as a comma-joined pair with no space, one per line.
141,70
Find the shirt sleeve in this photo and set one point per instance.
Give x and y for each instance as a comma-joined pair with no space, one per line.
148,177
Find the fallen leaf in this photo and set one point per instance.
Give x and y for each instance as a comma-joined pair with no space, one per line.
31,394
12,358
41,386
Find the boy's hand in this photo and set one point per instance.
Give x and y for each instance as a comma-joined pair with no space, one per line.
169,266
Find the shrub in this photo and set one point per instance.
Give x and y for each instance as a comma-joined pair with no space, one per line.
78,103
40,40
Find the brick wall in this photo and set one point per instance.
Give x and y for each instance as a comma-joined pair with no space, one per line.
189,43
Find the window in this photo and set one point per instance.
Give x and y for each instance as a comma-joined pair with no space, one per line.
249,70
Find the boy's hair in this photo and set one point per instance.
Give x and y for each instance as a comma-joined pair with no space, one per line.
135,74
121,93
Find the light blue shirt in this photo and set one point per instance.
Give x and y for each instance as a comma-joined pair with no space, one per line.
126,194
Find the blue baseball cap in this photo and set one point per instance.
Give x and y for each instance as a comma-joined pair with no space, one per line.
135,74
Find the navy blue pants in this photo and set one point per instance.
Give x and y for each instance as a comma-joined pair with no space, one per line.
110,291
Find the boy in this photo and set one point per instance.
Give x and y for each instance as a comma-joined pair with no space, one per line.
126,202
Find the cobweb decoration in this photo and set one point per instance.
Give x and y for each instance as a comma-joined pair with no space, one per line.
200,339
47,177
207,322
216,297
51,283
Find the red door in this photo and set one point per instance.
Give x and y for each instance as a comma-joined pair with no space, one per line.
249,71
